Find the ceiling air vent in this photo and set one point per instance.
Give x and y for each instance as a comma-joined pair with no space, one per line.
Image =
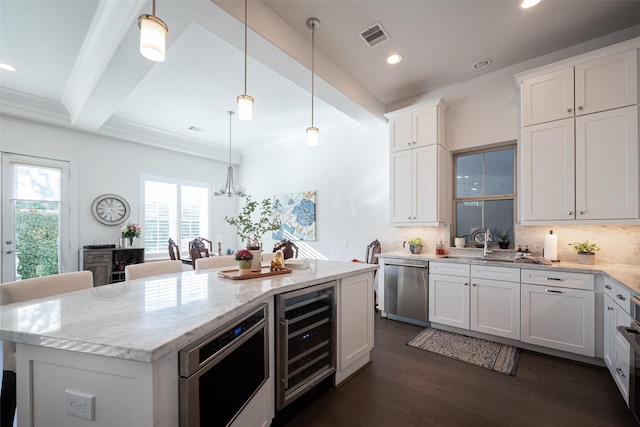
195,129
374,34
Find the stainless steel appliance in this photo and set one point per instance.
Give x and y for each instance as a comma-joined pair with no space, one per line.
221,372
632,335
406,290
306,350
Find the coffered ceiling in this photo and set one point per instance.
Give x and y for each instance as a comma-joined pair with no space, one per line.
78,63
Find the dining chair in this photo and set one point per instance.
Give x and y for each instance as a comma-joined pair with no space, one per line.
154,268
174,250
24,290
198,249
215,262
289,249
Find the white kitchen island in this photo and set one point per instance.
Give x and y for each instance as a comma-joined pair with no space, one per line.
120,342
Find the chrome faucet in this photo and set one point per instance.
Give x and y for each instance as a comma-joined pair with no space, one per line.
487,238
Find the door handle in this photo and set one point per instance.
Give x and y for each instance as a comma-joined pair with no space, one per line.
8,251
553,291
8,242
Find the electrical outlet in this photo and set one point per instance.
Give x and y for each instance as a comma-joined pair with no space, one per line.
345,243
79,404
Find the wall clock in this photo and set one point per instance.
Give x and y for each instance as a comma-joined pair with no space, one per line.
110,209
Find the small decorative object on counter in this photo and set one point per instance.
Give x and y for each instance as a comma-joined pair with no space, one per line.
550,248
130,232
244,258
439,249
459,241
519,251
527,252
586,252
277,263
504,239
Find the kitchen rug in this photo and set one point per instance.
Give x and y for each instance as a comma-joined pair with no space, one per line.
487,354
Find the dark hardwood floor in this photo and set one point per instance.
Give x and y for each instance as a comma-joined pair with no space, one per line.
405,386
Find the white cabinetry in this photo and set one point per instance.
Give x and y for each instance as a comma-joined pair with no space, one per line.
602,185
417,164
558,310
355,321
579,146
490,305
588,87
616,348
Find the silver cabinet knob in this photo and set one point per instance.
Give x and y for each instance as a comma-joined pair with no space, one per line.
568,212
569,110
580,212
8,251
8,242
581,108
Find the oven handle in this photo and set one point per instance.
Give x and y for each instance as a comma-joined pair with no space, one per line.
406,265
635,300
627,331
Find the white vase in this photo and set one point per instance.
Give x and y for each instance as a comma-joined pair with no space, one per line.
459,242
586,258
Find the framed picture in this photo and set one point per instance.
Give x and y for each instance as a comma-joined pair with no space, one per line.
297,215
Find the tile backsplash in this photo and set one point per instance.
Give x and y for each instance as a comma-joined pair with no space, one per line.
619,244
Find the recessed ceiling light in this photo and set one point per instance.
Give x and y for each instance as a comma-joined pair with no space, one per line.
482,64
394,59
7,67
526,4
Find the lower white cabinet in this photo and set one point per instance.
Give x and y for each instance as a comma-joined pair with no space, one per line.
617,351
483,298
558,318
355,324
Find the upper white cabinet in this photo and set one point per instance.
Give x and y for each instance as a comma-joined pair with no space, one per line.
417,164
579,142
588,87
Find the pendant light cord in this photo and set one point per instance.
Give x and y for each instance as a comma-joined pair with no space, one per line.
153,8
313,67
245,47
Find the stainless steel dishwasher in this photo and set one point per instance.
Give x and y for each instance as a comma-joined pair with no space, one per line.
406,290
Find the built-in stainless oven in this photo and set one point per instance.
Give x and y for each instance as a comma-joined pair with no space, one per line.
306,349
220,373
632,335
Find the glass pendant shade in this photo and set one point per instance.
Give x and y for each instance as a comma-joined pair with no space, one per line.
153,35
312,136
245,108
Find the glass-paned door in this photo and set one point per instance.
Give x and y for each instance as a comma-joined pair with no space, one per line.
35,217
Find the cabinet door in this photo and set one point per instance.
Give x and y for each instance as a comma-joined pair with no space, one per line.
547,161
449,300
425,126
559,318
400,133
607,83
609,333
607,165
547,97
424,167
101,273
495,308
401,187
355,336
621,371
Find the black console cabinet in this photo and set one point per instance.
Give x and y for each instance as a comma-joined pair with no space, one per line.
107,264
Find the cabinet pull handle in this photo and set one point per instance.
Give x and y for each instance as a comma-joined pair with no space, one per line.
473,284
580,108
620,297
568,212
569,110
8,251
580,212
466,284
619,371
607,286
609,308
553,291
8,242
555,278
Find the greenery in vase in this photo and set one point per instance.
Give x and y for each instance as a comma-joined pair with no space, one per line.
131,231
250,231
585,247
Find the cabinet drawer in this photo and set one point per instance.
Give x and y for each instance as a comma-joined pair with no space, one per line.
622,297
449,269
101,257
560,279
505,274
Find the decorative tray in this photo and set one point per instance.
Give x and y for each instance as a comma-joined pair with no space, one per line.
264,272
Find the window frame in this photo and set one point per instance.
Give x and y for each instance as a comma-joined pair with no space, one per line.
179,183
512,196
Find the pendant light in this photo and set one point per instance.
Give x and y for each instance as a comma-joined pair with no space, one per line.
312,131
245,102
229,188
153,35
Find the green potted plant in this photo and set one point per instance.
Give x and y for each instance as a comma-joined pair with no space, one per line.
415,245
251,231
504,239
586,252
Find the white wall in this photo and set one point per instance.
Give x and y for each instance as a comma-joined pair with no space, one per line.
105,165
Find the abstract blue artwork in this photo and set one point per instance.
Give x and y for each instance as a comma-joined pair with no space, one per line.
297,214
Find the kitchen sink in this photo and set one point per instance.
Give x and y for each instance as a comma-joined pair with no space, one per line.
478,258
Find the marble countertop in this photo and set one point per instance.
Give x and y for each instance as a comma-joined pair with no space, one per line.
147,319
627,275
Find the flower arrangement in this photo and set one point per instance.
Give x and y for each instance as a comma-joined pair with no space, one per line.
131,231
585,247
244,255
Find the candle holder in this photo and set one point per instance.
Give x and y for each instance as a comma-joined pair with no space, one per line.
219,248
